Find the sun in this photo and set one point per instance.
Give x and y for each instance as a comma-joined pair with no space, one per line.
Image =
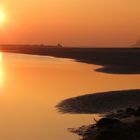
2,17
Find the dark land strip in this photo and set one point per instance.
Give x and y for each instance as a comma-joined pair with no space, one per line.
112,60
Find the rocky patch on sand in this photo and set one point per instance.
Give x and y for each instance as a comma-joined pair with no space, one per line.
120,125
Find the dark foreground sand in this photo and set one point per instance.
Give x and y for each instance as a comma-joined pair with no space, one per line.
115,61
109,129
120,111
100,103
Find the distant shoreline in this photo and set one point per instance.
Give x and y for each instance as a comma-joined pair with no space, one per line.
113,60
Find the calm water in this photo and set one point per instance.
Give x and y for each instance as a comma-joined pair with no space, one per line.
30,87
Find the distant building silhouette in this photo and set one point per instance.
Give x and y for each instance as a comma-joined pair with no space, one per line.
59,45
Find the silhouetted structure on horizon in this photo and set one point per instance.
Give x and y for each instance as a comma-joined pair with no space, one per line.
59,46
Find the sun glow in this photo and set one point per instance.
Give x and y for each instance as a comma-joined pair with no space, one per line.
2,17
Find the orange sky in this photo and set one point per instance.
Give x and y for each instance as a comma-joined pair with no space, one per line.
71,22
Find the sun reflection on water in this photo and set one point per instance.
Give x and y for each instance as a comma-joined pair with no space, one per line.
1,69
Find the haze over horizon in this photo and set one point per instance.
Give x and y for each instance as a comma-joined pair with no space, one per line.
71,23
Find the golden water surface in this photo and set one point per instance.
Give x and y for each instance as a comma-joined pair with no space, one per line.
30,87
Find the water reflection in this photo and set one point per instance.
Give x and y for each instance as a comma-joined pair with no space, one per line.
1,69
33,85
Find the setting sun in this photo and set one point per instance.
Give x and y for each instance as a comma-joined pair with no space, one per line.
2,17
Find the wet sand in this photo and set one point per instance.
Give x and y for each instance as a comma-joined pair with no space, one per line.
100,103
120,111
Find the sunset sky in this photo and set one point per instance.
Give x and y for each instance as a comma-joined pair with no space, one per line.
70,22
